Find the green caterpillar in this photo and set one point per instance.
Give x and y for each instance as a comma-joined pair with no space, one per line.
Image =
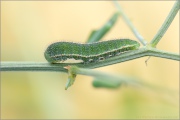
89,52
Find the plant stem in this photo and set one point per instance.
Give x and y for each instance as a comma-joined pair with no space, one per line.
117,79
128,22
31,66
34,66
166,24
113,79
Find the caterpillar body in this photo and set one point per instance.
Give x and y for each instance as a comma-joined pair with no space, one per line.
89,52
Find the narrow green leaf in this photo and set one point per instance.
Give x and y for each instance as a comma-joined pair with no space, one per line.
69,82
71,76
106,83
92,34
96,35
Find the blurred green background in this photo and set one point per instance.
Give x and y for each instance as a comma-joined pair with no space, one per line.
28,27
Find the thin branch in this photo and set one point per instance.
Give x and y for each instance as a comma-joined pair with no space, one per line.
31,66
116,79
34,66
128,22
166,24
107,80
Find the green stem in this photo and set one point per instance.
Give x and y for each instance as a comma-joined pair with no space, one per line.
102,75
128,22
166,24
163,54
31,66
117,80
34,66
